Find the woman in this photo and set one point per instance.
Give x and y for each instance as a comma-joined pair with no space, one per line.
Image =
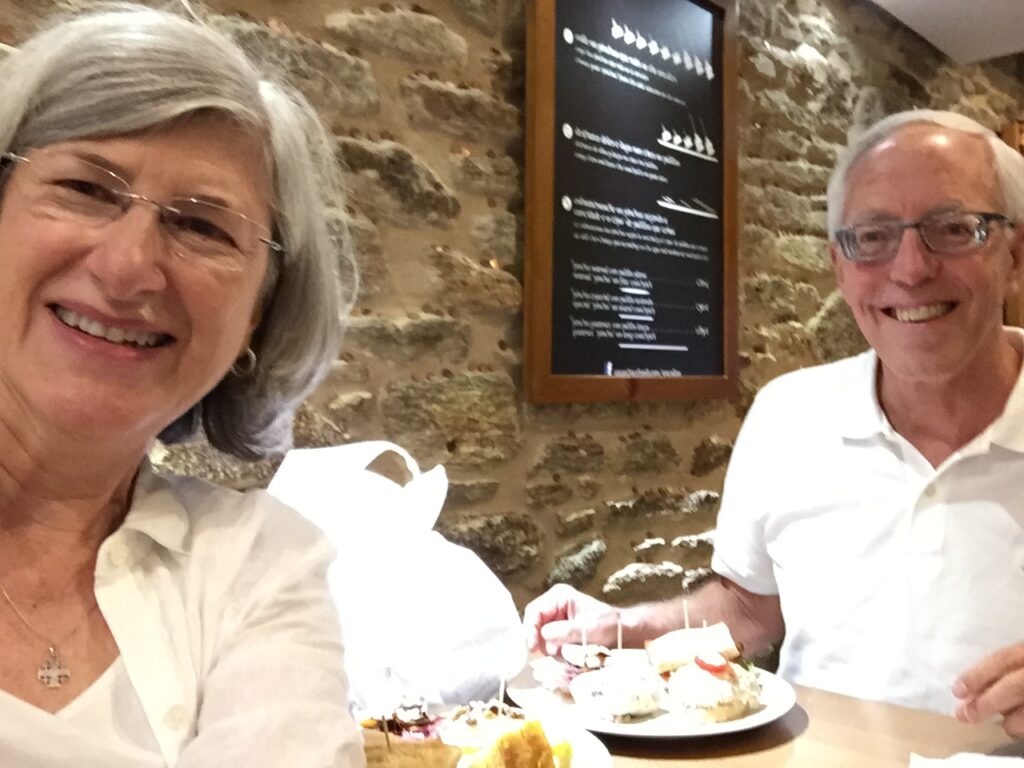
164,262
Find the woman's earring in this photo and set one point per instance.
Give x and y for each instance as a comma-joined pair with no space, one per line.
245,365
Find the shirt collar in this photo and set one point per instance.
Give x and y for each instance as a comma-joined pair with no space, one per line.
861,416
156,512
1007,431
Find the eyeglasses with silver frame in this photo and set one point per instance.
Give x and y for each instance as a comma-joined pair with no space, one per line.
72,188
947,233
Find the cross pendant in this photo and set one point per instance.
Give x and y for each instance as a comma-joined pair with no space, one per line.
52,673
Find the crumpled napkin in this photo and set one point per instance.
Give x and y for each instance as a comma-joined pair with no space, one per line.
966,760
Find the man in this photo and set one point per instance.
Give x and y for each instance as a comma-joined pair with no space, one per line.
873,512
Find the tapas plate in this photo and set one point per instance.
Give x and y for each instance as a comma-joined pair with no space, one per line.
777,698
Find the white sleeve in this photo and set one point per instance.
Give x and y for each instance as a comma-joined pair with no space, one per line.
276,693
740,550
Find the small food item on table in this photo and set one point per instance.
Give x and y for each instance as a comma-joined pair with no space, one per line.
494,735
712,689
682,646
410,720
556,675
621,692
585,656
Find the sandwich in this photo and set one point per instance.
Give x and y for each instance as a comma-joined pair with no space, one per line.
674,649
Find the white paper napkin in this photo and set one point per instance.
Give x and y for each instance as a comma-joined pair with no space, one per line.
966,760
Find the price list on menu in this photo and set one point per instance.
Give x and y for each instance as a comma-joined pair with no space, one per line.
638,191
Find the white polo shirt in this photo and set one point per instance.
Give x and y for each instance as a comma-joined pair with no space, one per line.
894,576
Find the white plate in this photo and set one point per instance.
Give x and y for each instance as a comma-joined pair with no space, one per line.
777,698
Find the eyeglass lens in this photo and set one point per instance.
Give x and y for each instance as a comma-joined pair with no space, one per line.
948,232
69,186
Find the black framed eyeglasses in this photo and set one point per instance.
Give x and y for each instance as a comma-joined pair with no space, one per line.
77,190
948,233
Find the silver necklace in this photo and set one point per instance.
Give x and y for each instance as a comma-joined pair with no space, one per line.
53,672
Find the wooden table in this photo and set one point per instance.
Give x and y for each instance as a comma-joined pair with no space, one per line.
824,730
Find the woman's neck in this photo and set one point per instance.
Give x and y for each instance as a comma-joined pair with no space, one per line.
58,493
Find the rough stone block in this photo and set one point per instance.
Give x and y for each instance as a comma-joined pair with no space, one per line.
507,543
404,340
694,551
467,493
468,284
664,502
710,454
388,183
572,454
315,430
541,495
778,299
496,237
571,523
353,412
468,421
578,566
365,244
485,175
467,113
640,582
646,453
775,208
339,85
404,34
200,459
345,373
795,176
482,14
650,550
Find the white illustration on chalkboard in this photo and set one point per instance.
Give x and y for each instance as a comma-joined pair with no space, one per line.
687,60
628,37
698,66
696,144
662,347
617,30
694,208
708,71
676,58
709,148
641,43
697,140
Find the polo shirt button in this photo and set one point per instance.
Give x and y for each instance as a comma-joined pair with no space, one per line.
118,555
929,490
176,718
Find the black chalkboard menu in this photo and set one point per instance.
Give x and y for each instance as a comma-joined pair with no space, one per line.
630,266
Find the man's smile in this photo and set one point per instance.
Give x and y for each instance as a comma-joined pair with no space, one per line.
921,313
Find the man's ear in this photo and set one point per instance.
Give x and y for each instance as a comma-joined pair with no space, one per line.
837,262
1016,256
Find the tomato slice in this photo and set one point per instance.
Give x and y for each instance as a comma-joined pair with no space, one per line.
714,663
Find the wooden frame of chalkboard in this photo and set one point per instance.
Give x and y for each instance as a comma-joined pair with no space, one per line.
630,269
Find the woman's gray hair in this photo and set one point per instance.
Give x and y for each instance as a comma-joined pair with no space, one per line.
1009,163
126,69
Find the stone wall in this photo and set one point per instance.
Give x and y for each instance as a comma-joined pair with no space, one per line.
427,104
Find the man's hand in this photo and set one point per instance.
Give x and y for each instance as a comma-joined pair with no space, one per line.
994,686
558,616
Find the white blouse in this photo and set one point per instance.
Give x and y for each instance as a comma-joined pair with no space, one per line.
230,647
